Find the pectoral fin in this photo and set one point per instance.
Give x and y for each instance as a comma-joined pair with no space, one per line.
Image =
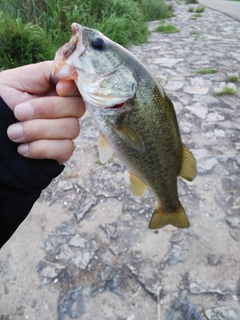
104,149
130,136
136,185
189,167
177,218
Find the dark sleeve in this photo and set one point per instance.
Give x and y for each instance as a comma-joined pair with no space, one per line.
21,179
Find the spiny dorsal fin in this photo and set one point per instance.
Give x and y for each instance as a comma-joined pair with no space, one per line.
137,186
177,218
104,149
189,167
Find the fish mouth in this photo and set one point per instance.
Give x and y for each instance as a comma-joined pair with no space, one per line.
116,106
62,69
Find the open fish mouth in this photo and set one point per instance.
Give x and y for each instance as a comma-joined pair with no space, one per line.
62,68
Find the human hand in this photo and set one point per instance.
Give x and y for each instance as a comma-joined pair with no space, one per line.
48,115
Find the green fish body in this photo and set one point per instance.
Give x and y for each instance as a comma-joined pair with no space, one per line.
136,119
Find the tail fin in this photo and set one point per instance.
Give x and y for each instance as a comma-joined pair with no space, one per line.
177,218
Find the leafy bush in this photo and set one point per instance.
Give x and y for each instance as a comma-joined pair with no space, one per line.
22,43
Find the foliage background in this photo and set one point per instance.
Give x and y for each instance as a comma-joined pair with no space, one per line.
32,30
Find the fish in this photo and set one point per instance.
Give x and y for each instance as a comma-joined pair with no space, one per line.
135,117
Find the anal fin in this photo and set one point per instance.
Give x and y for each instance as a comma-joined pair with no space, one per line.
189,166
177,218
137,186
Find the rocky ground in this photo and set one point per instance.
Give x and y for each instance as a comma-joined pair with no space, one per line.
85,250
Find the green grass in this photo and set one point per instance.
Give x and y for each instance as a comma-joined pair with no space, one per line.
167,29
196,33
191,1
200,9
206,71
123,21
225,91
195,16
232,78
155,9
22,43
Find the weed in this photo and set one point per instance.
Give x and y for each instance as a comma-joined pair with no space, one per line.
167,29
155,9
200,9
195,16
196,33
190,9
191,1
232,78
206,71
225,91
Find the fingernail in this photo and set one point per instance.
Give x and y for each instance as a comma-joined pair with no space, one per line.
72,92
15,131
23,111
23,149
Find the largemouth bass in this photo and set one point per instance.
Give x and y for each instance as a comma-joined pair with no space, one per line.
136,119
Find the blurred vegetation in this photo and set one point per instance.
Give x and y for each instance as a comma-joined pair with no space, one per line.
191,1
32,30
167,29
224,91
206,71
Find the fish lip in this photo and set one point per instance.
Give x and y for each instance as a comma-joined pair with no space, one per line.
61,69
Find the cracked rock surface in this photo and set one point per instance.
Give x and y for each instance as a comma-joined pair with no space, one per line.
85,250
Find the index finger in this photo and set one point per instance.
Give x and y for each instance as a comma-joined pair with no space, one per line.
32,78
50,108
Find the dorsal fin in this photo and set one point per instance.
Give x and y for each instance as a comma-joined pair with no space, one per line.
189,167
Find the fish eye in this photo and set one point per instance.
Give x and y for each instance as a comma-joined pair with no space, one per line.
98,43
